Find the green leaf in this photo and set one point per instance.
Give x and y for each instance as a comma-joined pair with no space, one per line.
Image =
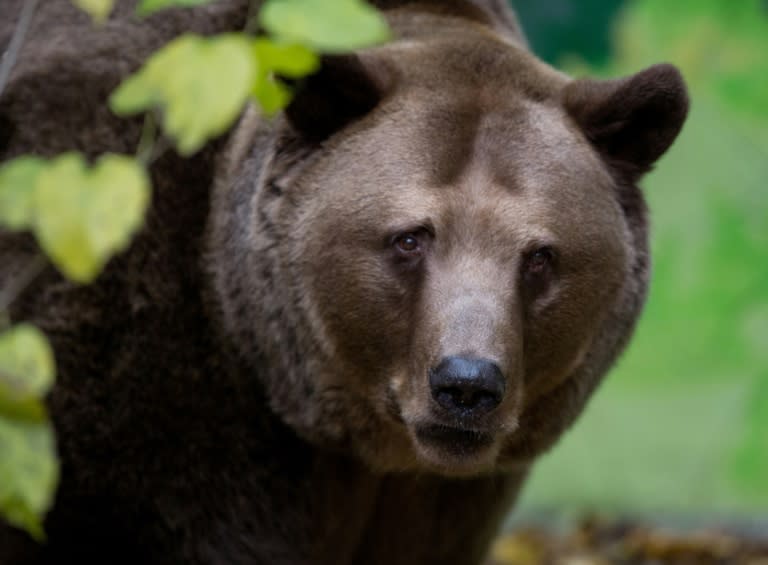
99,10
117,204
26,363
147,7
271,95
29,473
201,85
18,179
331,27
28,464
136,94
85,216
290,60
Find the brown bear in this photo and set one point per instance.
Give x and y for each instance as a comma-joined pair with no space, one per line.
344,334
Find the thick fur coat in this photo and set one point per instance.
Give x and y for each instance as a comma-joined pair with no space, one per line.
261,377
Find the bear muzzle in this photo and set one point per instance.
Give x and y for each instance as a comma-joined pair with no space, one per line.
466,414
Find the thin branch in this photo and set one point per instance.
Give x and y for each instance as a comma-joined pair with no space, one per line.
162,145
252,20
152,145
148,138
17,40
18,283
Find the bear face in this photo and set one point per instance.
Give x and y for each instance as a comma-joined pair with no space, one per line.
437,276
506,263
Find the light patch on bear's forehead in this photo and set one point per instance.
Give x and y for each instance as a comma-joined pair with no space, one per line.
558,168
519,142
554,149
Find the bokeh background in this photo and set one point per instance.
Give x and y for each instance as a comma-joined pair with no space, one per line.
680,427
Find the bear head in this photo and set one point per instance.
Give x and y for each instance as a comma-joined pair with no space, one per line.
432,258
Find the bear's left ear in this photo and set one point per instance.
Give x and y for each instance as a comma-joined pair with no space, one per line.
631,121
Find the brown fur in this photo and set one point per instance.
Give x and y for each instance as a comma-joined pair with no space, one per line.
248,383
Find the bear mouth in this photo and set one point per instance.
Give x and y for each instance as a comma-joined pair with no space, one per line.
459,443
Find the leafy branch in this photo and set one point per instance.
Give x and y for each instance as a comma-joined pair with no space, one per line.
194,88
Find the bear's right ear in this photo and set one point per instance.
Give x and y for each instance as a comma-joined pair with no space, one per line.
630,121
345,88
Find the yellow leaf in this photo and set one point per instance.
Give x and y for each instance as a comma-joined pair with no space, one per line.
85,216
200,83
147,7
271,95
29,473
99,10
18,179
287,59
28,465
120,194
331,27
26,363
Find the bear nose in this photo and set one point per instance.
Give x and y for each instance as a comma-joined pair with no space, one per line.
467,387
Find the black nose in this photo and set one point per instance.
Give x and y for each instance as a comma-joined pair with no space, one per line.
466,386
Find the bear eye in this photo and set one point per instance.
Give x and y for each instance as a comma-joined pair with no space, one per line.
539,261
408,244
538,270
408,248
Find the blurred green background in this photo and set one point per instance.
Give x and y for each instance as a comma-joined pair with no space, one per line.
681,425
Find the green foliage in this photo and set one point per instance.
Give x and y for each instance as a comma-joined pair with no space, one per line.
99,10
82,216
26,371
28,465
560,30
223,72
85,216
681,425
17,192
28,473
325,26
710,268
750,465
200,84
217,73
147,7
287,60
720,44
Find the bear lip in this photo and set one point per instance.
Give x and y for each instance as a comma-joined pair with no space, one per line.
456,441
